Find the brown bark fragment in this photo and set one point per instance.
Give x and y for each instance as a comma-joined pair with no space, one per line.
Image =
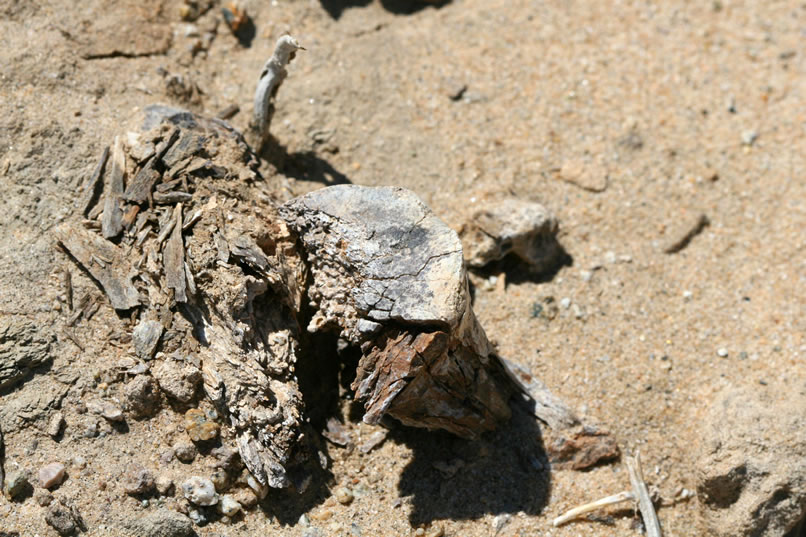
112,220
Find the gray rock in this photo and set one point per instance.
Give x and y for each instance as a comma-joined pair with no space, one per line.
64,517
523,228
165,485
142,396
145,337
178,379
200,491
23,345
752,468
17,485
161,523
107,409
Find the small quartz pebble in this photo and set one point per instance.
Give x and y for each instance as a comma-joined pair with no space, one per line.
200,491
199,425
228,506
51,475
722,352
344,495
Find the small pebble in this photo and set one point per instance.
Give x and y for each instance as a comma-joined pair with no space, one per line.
200,425
687,295
51,475
749,137
43,497
79,462
165,485
55,425
221,480
586,275
565,303
228,506
138,480
200,491
185,451
722,352
344,495
245,497
17,484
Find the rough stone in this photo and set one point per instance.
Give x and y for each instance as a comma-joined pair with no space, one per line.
752,467
185,451
64,517
228,506
138,480
161,523
178,379
200,491
17,485
107,409
165,485
523,228
200,425
55,425
51,475
142,396
24,345
246,497
145,337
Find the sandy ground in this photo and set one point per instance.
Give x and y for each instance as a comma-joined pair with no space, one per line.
671,110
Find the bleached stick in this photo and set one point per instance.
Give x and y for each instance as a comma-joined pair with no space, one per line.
577,512
642,494
273,74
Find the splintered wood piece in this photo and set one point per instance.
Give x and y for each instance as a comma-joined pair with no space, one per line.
388,275
91,251
140,187
112,220
577,512
90,192
547,407
174,258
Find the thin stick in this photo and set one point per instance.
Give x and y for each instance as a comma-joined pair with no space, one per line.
642,493
577,512
273,74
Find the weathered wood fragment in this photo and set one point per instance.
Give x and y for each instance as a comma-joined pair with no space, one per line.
641,493
388,275
90,250
90,192
174,258
111,223
172,197
139,188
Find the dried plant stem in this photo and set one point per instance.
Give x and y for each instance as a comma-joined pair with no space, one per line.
642,494
273,74
577,512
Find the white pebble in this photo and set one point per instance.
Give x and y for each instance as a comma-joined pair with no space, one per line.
200,491
722,352
565,303
51,475
228,506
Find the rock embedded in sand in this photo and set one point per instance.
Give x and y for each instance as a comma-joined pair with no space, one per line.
161,523
178,379
523,228
200,491
17,484
752,467
51,475
24,345
142,396
138,480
